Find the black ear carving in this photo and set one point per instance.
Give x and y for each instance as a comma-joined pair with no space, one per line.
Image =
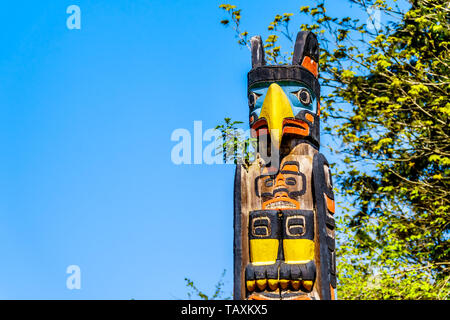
306,44
257,52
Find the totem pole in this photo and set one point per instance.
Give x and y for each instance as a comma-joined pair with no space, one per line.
284,243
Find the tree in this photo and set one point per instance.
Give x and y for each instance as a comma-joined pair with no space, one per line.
388,85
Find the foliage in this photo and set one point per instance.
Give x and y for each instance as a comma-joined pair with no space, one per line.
235,16
387,105
218,293
237,145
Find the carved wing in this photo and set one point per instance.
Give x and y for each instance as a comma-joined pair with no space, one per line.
325,209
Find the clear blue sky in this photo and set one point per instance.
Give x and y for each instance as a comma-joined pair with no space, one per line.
86,117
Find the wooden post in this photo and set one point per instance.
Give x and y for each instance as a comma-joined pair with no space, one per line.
284,242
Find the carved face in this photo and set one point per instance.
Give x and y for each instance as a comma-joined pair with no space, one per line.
280,189
283,108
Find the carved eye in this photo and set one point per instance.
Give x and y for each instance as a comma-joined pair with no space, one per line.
296,225
291,181
303,96
261,227
252,97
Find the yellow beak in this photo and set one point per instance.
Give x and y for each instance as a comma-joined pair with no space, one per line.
275,109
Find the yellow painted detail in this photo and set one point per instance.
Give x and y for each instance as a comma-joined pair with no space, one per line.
276,107
273,284
295,284
284,283
307,285
251,285
297,251
263,251
261,283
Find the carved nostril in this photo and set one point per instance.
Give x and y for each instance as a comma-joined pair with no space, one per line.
280,193
280,183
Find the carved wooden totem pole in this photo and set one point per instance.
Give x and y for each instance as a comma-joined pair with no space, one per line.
284,245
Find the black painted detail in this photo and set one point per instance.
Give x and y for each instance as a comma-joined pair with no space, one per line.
254,272
333,262
276,73
306,44
298,224
290,181
306,271
237,244
326,243
314,127
331,224
333,281
292,194
333,268
331,243
264,224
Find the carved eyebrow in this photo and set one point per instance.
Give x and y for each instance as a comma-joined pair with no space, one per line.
292,163
290,167
290,172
